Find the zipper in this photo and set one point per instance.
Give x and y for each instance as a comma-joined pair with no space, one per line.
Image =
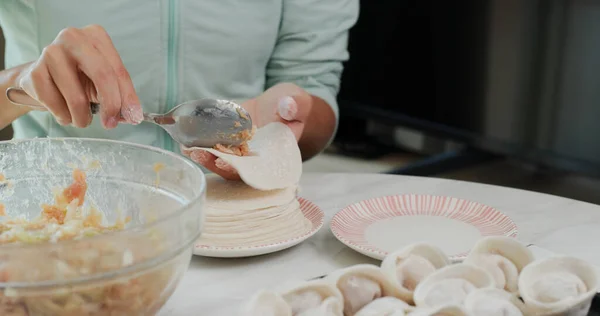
172,70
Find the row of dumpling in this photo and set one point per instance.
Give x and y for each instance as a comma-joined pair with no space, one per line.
499,277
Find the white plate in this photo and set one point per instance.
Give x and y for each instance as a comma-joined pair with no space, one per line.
311,211
381,225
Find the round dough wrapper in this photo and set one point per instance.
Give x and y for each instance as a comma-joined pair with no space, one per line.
274,161
236,195
266,303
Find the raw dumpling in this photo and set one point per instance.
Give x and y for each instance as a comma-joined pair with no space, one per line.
445,310
558,285
494,302
318,298
266,303
385,306
274,161
503,257
360,285
329,307
407,267
451,285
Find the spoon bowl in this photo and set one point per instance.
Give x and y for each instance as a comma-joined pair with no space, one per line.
218,121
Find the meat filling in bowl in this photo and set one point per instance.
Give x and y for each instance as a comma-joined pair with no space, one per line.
139,292
64,220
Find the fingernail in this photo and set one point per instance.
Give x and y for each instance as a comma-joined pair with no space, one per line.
221,164
133,114
112,122
63,122
287,108
184,150
200,156
137,113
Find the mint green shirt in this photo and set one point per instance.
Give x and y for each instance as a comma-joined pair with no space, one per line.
179,50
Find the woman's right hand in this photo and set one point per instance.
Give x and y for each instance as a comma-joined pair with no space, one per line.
79,67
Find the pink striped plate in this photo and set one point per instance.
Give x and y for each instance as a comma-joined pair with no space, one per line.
310,210
381,225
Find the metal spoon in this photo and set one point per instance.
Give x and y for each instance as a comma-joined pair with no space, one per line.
199,123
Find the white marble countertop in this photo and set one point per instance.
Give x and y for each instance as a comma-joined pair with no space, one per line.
218,287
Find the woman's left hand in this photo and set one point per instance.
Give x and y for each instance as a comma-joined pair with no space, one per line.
286,103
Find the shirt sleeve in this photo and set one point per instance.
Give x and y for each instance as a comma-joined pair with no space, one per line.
312,45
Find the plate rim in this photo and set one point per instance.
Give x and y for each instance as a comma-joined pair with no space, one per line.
256,250
379,254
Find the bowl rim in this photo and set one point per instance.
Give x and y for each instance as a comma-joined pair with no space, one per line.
158,220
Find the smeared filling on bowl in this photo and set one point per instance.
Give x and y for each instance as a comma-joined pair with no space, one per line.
139,292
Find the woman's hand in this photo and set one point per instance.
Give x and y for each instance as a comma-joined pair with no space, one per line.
286,103
79,67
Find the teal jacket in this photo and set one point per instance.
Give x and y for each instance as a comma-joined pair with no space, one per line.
178,50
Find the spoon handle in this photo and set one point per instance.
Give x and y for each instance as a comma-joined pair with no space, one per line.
20,97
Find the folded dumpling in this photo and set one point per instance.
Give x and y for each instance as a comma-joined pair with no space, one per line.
444,310
266,303
494,302
318,298
360,285
451,285
503,257
385,306
329,307
407,267
559,286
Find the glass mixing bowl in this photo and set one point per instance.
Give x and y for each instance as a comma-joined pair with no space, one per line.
126,272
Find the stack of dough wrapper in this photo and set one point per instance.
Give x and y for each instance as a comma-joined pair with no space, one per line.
264,206
500,277
237,214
